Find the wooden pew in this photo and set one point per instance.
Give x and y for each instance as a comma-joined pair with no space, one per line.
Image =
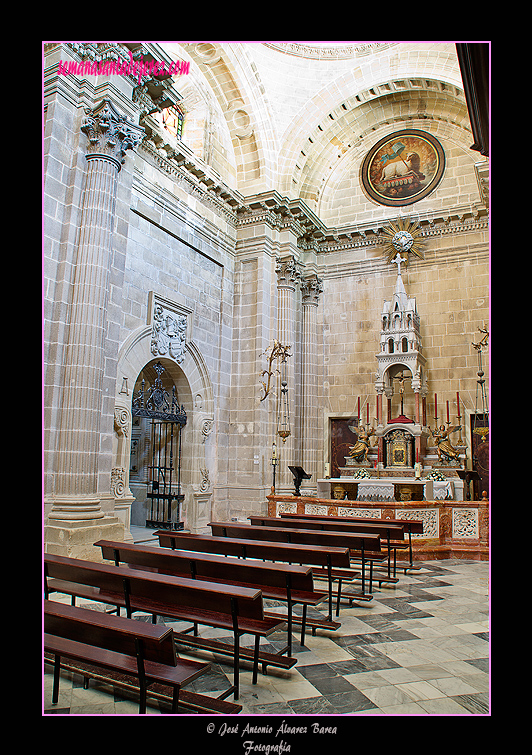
364,547
120,646
412,526
238,609
391,534
333,560
292,584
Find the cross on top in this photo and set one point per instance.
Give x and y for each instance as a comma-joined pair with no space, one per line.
397,261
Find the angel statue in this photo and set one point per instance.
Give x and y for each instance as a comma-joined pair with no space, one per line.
360,450
446,451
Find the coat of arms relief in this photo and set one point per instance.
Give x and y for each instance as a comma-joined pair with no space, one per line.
169,333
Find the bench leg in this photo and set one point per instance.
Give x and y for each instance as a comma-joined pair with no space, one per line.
303,624
338,597
329,574
57,674
256,659
142,703
236,666
175,700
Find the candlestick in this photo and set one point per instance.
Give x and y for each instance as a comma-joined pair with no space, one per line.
435,406
359,408
460,441
448,420
367,406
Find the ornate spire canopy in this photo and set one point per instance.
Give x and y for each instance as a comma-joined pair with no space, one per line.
403,237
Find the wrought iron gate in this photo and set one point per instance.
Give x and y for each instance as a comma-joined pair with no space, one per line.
164,469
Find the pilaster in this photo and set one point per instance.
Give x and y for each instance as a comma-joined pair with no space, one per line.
311,289
288,276
77,499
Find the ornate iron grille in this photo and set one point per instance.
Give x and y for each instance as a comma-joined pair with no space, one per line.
164,469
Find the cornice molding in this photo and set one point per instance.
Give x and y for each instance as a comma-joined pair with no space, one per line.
334,52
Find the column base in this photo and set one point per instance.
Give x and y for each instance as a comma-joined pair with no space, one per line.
75,539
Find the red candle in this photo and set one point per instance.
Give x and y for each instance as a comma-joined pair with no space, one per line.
436,405
448,420
368,411
458,402
359,408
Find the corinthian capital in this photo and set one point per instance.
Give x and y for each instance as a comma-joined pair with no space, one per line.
110,133
311,289
287,270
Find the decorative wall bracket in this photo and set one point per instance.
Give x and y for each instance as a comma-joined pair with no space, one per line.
276,352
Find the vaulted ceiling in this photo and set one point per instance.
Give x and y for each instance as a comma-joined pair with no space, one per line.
294,110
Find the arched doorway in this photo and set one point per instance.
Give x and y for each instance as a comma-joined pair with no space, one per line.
156,470
198,459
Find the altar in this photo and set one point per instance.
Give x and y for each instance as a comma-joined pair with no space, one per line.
451,529
374,489
390,489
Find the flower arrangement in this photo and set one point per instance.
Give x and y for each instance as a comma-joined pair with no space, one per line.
360,474
436,475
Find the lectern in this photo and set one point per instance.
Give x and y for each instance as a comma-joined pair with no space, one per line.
468,476
299,475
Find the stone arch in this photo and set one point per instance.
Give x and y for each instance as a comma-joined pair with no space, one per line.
242,105
195,392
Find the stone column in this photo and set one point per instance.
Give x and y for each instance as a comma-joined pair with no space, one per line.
77,494
311,289
287,277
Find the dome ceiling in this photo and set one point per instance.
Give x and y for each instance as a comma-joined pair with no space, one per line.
297,112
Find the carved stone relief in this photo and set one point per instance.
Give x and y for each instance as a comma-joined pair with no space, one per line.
429,517
465,523
118,482
312,508
286,508
363,513
169,332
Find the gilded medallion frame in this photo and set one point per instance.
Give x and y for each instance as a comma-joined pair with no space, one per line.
403,168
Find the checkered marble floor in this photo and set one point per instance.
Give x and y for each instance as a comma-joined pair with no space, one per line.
420,647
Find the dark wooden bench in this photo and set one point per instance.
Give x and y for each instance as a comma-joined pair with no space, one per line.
120,646
392,535
366,547
237,609
333,561
288,583
411,526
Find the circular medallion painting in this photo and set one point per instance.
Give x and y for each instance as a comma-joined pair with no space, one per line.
403,168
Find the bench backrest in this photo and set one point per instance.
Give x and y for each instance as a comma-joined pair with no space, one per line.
146,588
395,531
351,540
110,632
287,552
413,525
208,566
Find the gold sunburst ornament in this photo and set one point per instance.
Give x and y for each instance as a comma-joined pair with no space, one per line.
403,236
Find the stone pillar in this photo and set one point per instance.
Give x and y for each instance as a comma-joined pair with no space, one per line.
311,289
77,495
287,278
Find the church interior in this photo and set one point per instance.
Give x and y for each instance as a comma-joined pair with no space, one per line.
266,315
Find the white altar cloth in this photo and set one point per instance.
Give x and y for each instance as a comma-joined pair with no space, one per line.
443,490
375,489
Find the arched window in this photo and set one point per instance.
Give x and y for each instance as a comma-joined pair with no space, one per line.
172,121
390,346
404,344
